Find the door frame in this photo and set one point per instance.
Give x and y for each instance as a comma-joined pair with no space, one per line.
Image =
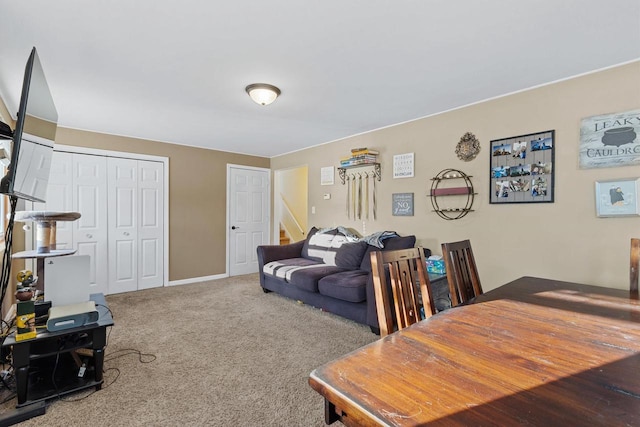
228,221
124,155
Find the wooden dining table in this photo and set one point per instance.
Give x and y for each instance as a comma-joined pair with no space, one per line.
533,352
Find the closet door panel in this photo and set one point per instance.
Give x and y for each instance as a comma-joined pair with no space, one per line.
151,224
91,230
123,236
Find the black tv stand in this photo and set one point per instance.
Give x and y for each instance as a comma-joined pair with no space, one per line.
18,415
37,360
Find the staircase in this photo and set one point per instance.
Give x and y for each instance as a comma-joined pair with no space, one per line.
284,239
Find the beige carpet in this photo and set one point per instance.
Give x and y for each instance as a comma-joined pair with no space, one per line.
226,355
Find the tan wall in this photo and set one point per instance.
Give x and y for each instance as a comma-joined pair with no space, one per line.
4,114
562,240
197,197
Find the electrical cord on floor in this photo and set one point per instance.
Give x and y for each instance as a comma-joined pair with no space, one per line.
120,353
142,358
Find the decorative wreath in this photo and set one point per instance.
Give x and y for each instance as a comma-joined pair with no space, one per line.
468,147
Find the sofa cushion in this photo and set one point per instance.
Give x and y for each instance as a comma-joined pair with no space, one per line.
285,267
349,255
307,278
347,286
393,243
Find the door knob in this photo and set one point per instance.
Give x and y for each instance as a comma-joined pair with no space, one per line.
233,227
126,233
89,236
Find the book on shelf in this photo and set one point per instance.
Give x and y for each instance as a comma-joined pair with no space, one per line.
354,162
360,151
365,157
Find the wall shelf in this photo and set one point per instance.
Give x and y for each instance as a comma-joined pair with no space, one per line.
342,171
456,195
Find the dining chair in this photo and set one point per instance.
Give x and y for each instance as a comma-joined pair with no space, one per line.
408,285
634,266
462,273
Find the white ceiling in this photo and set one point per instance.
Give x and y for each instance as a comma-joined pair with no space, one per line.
176,71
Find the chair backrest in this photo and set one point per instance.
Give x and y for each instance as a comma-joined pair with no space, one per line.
461,270
635,264
407,269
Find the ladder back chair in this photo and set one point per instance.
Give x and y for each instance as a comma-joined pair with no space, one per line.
635,264
407,271
461,270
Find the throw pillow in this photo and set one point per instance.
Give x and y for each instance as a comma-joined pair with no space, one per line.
349,255
317,244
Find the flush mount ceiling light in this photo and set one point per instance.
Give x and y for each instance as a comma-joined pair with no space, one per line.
262,93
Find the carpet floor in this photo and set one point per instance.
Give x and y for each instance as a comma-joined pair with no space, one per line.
218,353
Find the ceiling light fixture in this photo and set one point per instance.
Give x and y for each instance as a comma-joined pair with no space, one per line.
262,93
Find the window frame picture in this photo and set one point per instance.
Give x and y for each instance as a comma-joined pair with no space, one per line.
617,198
522,168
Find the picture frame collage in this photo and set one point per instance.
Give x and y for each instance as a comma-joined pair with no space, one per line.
522,168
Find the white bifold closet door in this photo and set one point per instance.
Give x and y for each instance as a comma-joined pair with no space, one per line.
121,202
136,198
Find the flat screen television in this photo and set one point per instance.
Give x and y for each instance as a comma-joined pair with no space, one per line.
33,138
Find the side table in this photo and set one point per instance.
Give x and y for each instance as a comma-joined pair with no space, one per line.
52,353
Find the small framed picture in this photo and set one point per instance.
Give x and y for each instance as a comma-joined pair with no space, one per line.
402,204
403,165
326,175
618,197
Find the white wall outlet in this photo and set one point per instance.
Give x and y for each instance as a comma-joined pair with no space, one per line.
364,228
313,210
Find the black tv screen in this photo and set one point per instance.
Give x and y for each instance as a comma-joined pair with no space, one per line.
33,138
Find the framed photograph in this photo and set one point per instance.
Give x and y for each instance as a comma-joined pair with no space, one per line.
522,168
618,197
402,204
610,140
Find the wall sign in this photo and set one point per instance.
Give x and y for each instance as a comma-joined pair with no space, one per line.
403,165
402,204
610,140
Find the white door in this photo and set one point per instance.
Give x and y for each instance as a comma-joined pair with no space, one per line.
122,212
91,230
248,213
150,224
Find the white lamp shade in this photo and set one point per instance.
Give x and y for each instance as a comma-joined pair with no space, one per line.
262,93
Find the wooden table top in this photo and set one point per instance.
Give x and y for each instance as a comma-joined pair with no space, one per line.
533,352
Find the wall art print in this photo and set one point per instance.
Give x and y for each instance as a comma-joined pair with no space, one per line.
402,204
610,140
522,169
618,197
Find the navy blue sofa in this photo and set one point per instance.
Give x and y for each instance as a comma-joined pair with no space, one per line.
327,271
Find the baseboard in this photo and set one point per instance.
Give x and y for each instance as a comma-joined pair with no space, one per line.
197,279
